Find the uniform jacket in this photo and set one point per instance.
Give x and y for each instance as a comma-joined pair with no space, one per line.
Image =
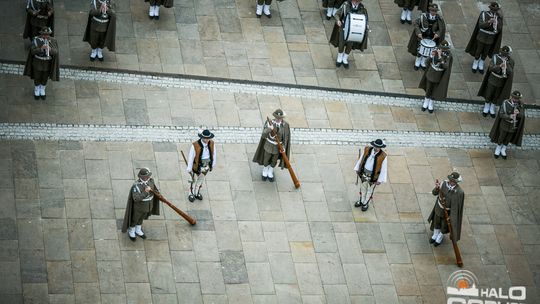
501,123
28,25
454,200
54,71
482,23
439,28
484,90
341,14
266,147
110,36
136,194
441,90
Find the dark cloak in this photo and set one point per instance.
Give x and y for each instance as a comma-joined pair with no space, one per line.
454,198
440,25
472,45
28,26
441,90
54,72
518,135
165,3
110,36
507,87
259,153
336,31
129,210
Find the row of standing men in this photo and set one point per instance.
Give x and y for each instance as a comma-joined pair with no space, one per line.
43,58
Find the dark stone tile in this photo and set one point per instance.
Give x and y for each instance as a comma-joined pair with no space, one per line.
8,229
9,251
233,267
33,266
24,164
52,203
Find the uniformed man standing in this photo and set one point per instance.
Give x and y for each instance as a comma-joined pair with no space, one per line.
101,28
427,26
509,124
42,62
39,14
267,153
371,167
453,197
201,160
337,38
437,76
497,83
141,204
153,11
486,37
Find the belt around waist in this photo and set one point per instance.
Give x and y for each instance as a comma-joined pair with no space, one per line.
436,68
488,32
43,57
100,20
440,205
151,197
497,75
271,141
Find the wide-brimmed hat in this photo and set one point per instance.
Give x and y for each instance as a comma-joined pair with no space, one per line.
45,30
455,176
494,6
144,172
506,50
378,143
433,7
279,113
206,134
516,94
445,45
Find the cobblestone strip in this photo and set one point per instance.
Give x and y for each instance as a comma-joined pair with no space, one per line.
241,135
251,88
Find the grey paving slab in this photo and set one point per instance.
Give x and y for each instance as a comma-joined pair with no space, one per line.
59,277
211,278
233,267
111,277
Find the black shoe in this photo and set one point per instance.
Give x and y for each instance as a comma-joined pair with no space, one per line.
101,59
43,97
431,111
346,65
269,16
36,97
133,239
424,68
271,179
484,114
437,244
492,115
328,18
409,21
156,17
416,68
481,72
92,58
365,207
150,17
424,109
338,64
264,178
191,198
431,241
473,70
258,16
143,236
198,196
402,21
503,156
358,203
496,156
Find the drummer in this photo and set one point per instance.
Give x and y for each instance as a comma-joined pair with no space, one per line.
337,38
430,26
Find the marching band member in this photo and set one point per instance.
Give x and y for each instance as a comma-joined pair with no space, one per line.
39,14
437,76
42,62
101,28
509,124
331,7
408,6
337,38
497,83
427,26
486,37
201,160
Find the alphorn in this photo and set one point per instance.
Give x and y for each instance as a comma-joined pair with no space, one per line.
188,218
284,155
459,260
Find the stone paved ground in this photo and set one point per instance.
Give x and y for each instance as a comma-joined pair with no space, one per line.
223,38
256,242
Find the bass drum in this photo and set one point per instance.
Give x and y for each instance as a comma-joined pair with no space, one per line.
354,27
